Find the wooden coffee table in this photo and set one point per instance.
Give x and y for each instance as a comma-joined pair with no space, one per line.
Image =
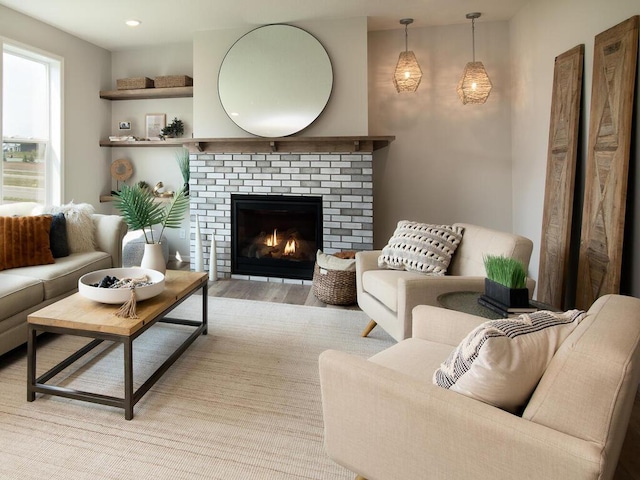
76,315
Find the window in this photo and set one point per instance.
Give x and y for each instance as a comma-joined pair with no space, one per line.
31,168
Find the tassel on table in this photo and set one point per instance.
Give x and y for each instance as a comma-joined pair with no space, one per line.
128,309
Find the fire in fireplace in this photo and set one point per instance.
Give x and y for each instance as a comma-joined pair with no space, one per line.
275,235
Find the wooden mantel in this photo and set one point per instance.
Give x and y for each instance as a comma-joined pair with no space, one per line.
360,144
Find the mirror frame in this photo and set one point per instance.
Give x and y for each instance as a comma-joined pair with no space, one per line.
283,107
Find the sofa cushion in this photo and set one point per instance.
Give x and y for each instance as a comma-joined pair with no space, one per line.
80,226
62,277
421,247
383,285
406,356
17,293
501,361
24,241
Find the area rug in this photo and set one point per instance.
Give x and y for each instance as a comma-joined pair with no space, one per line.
242,403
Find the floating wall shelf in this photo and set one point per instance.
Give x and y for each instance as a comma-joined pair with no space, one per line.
146,93
266,145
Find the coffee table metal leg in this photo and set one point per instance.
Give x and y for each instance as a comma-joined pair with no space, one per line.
31,364
205,305
128,378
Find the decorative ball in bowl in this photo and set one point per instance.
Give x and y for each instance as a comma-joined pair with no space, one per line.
151,283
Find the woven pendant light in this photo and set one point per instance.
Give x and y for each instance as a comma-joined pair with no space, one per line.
474,86
407,75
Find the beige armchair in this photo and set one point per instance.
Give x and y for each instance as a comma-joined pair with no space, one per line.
389,296
385,419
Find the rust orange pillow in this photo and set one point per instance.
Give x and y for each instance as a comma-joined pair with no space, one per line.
24,241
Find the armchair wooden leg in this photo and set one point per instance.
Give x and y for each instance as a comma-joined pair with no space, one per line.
358,477
370,326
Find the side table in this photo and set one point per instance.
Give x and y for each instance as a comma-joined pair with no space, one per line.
467,302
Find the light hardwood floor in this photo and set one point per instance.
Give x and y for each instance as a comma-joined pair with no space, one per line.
629,463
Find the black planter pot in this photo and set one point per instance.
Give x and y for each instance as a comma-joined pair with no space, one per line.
509,297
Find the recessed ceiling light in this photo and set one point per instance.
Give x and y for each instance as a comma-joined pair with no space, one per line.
133,23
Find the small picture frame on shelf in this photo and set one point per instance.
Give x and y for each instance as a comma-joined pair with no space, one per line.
124,125
155,122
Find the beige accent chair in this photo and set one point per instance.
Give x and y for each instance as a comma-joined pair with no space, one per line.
385,419
388,296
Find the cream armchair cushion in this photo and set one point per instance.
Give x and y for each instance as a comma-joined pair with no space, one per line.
388,296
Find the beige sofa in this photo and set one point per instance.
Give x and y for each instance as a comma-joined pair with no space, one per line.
385,419
388,296
24,290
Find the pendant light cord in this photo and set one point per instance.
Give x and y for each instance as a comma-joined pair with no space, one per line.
473,37
406,38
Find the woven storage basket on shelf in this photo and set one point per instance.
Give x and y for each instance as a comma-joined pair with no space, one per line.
134,83
168,81
335,287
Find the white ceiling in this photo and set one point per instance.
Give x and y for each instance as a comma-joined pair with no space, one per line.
101,22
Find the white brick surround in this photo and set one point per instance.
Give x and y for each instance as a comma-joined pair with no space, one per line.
344,180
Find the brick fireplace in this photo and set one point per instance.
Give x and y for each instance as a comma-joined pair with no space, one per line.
344,181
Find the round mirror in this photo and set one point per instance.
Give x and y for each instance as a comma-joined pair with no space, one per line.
275,80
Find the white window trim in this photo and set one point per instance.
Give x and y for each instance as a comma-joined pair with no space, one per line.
55,168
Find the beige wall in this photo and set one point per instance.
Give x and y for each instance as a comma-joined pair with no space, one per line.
539,32
450,162
86,116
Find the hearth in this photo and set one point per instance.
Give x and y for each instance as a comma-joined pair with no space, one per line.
275,235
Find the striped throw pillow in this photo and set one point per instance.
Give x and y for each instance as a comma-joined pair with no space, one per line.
501,361
421,247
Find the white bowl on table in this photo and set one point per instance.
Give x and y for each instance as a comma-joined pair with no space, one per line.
120,295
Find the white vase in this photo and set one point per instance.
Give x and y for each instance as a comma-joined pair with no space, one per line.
153,258
213,267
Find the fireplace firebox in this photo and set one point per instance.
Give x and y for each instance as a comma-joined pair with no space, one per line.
275,235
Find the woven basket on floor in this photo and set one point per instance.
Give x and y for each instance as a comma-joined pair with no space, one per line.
335,287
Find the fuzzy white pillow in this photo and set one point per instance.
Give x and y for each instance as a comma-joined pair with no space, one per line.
500,362
81,230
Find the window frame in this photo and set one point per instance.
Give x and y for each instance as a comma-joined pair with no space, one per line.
54,164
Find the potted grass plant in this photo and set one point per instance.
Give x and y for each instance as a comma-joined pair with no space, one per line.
506,281
141,211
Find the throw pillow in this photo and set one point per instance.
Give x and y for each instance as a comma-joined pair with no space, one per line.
58,236
24,241
421,247
501,361
331,262
80,227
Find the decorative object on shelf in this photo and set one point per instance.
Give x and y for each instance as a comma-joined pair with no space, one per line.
141,212
408,74
474,86
134,83
168,81
213,267
506,281
155,123
183,162
174,130
121,171
157,193
199,261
